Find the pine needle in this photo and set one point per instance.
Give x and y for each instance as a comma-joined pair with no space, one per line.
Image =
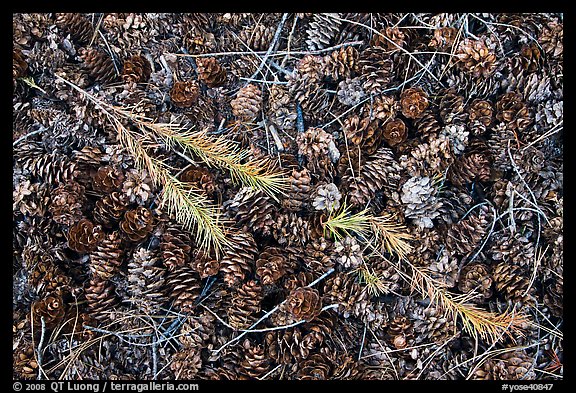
392,237
341,223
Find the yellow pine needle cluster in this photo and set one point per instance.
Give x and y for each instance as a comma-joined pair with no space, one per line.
383,234
187,205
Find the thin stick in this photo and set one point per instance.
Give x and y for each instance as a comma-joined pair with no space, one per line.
17,141
272,45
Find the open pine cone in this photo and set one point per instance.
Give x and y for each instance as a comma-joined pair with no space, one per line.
184,94
303,303
413,102
84,236
248,103
137,223
136,69
210,71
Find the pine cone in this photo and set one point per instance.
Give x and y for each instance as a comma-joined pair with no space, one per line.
272,265
322,30
350,91
254,363
480,116
432,325
106,259
183,286
463,237
137,186
136,69
327,198
290,229
511,281
110,209
515,249
206,266
77,25
382,172
19,65
245,305
258,37
24,362
238,259
427,124
298,196
200,178
342,289
476,58
516,365
99,65
210,71
551,39
383,108
184,94
30,199
101,298
48,312
554,296
400,332
375,68
47,278
530,57
348,253
413,102
52,168
390,282
146,281
471,167
476,277
342,63
137,223
421,204
511,110
186,363
395,132
252,208
444,269
303,303
67,202
107,179
248,103
84,236
176,245
444,38
311,66
282,110
393,34
452,108
317,145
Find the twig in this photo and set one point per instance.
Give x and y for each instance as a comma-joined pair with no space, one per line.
40,347
270,372
38,131
263,81
488,235
96,29
110,52
289,44
273,45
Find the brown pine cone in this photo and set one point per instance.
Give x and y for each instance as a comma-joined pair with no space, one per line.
319,148
476,58
290,229
67,202
146,281
77,25
206,267
50,309
551,39
184,94
248,103
383,107
400,332
393,34
433,325
253,209
19,65
258,37
110,208
516,365
137,186
444,38
107,179
511,281
137,223
530,57
282,111
200,178
472,166
452,107
99,65
395,132
255,363
463,237
106,259
245,305
375,68
210,71
47,278
513,111
342,63
271,265
176,245
476,277
554,296
101,298
354,128
238,259
413,102
342,289
24,362
303,303
186,363
480,116
348,253
364,133
297,198
427,124
84,236
136,69
183,286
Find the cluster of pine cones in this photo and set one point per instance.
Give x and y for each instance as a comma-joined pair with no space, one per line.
452,123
